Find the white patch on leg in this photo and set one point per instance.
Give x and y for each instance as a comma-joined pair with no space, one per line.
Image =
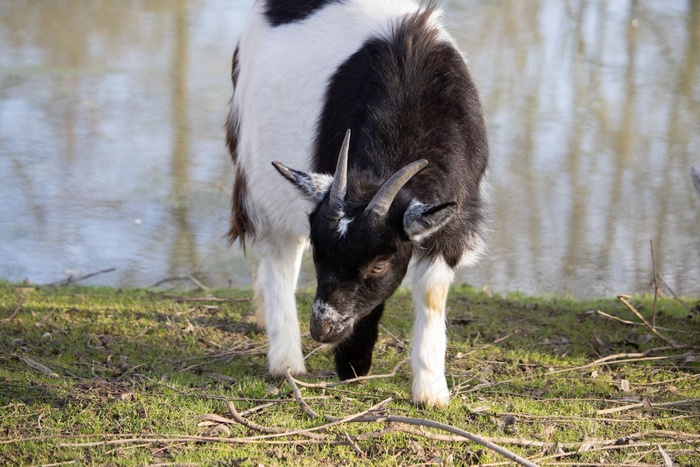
279,269
431,283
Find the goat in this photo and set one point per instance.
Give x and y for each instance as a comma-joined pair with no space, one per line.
405,185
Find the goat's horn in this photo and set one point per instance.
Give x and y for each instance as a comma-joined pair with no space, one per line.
380,204
340,179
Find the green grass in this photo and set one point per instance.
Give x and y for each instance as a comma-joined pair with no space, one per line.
96,376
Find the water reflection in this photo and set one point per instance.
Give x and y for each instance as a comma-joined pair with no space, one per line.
112,155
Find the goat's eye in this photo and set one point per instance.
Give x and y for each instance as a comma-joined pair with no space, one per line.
378,268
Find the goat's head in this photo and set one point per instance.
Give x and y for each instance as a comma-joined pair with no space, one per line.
361,248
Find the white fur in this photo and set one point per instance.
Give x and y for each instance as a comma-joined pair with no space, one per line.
429,331
343,226
280,262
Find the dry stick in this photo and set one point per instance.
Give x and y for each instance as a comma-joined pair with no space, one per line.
614,446
634,323
400,342
623,299
641,404
615,318
602,361
354,445
239,419
71,280
459,432
524,442
20,303
198,283
194,439
324,385
308,431
297,395
169,279
656,284
38,366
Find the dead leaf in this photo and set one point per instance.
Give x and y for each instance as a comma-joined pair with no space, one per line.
624,385
481,409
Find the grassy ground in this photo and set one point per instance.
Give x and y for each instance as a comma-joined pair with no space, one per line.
111,377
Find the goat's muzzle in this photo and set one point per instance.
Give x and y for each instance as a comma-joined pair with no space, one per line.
328,325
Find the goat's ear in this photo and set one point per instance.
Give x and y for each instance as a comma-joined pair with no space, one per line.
314,186
422,220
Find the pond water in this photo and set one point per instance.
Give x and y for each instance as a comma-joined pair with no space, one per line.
112,151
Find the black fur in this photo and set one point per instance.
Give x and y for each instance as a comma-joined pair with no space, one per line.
405,99
353,356
279,12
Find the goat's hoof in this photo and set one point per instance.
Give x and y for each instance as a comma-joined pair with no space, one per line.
295,368
435,395
432,401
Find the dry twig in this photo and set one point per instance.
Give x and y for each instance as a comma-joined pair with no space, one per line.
72,280
656,284
18,308
324,385
38,366
297,395
641,404
624,299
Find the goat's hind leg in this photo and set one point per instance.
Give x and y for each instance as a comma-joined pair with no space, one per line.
275,283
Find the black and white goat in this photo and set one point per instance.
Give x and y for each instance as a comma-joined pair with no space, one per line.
376,93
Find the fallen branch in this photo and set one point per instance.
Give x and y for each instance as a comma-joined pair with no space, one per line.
464,435
324,427
297,395
38,366
324,385
238,418
354,445
624,299
624,358
71,280
18,308
641,404
191,439
656,284
634,323
189,278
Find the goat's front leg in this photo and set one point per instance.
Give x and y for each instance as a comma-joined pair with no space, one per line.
353,356
277,311
431,282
